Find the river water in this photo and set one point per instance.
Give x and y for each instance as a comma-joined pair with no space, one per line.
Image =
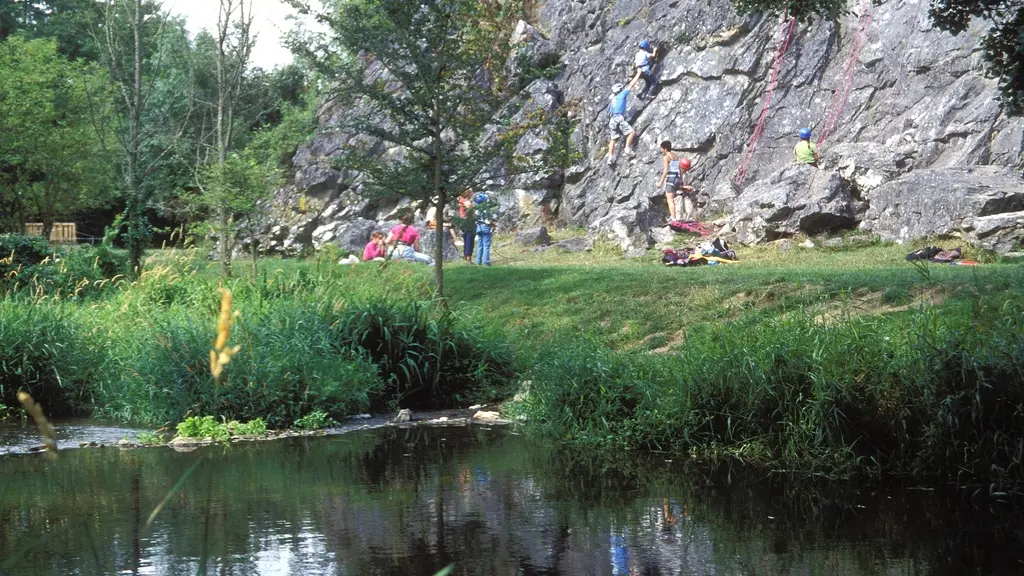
410,501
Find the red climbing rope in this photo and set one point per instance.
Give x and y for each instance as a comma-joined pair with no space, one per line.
849,68
785,37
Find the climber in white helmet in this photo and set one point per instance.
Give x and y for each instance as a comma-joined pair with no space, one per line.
617,124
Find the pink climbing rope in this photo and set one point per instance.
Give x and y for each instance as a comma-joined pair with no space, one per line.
849,68
785,37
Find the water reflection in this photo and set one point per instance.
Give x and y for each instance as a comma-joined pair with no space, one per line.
410,501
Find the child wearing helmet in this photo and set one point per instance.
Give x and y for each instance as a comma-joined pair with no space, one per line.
484,230
805,151
675,178
642,61
617,125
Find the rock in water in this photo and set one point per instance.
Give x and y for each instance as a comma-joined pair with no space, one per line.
485,416
404,415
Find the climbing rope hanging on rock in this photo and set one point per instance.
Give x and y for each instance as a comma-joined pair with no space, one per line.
785,38
849,68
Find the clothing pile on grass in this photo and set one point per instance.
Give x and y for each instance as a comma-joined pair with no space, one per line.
937,255
690,226
709,253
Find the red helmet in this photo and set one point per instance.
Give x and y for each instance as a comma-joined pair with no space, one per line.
685,164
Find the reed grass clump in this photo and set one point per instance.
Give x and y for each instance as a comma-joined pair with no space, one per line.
923,393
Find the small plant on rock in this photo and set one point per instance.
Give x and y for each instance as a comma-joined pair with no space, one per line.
315,420
255,427
204,427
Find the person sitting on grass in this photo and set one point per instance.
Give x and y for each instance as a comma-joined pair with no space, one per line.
375,249
404,240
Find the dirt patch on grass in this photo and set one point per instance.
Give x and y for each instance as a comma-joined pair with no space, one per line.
865,302
765,296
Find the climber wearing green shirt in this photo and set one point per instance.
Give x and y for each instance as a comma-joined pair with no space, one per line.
805,151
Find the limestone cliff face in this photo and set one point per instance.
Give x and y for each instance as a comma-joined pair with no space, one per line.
919,101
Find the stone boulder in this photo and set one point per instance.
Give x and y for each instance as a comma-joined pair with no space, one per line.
984,205
797,199
866,165
428,242
534,237
574,245
355,234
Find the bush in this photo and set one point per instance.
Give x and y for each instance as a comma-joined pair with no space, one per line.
287,367
315,420
426,361
924,393
45,352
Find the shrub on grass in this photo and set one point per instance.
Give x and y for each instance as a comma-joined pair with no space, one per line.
43,351
924,393
426,360
287,367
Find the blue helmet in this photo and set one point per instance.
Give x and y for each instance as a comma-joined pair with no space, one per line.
645,45
480,198
805,133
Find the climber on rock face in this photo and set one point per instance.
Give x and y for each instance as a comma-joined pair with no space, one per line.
643,64
805,151
617,124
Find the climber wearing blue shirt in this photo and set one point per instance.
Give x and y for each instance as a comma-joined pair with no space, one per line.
643,64
617,124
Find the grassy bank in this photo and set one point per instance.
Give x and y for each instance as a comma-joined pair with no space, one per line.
837,361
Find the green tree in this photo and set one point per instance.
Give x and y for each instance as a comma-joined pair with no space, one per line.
53,159
431,79
130,35
237,187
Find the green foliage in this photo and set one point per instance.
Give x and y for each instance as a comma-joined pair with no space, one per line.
315,420
925,393
208,427
427,360
45,353
32,267
202,427
255,427
461,89
150,439
18,250
52,163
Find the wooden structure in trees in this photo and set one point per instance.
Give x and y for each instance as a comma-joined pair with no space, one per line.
62,232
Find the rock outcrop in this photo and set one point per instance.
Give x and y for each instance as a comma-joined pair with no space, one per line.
984,205
920,113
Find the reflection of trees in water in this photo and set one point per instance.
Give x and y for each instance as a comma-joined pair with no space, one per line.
408,501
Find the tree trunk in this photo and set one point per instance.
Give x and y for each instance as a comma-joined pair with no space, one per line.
439,216
225,241
133,210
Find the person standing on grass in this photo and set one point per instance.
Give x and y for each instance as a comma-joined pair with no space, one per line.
404,240
468,227
484,230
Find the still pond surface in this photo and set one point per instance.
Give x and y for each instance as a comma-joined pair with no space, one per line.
410,501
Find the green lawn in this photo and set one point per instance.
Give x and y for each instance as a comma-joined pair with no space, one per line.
639,302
